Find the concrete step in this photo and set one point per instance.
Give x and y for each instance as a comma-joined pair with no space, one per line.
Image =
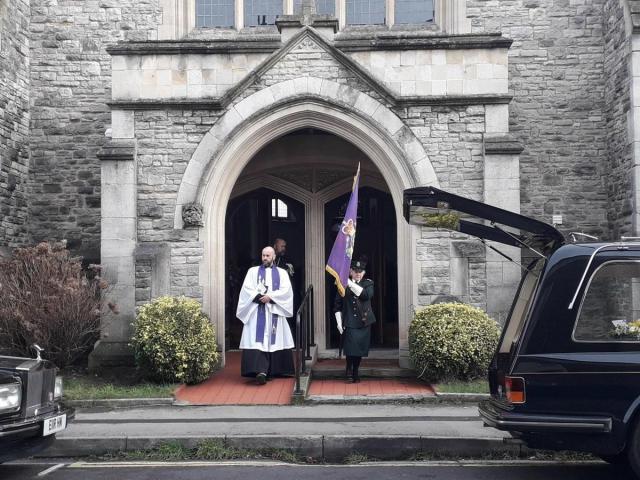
369,368
337,373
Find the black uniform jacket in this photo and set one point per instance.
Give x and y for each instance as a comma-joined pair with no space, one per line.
354,309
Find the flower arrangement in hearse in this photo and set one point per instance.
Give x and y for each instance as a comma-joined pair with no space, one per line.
622,328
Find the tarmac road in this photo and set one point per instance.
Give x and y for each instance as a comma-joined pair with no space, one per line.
275,471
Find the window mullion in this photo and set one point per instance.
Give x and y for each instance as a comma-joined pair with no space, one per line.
341,10
239,14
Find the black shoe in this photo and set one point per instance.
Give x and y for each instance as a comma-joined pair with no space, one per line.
261,378
356,380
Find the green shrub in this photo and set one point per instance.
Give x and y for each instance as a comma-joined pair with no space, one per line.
174,341
452,341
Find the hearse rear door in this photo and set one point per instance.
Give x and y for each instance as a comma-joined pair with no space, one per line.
435,208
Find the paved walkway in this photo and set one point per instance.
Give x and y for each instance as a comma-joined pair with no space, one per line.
369,387
227,387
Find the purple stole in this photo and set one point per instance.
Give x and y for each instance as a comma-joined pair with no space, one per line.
262,308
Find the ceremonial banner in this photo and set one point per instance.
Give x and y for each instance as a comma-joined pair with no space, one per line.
342,251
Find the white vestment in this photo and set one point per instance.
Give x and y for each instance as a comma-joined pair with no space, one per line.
247,312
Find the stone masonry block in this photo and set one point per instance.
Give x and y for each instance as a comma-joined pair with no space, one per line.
250,105
118,202
281,90
497,118
329,89
388,120
229,121
122,124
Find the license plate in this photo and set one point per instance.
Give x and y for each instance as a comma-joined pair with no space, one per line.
54,424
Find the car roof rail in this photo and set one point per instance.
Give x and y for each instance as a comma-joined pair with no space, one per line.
621,245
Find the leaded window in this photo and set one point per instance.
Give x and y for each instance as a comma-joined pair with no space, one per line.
323,7
414,11
215,13
365,12
261,12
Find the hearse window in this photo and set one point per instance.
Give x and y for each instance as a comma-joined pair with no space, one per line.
610,310
516,320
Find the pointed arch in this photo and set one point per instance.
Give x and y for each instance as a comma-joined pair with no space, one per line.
275,111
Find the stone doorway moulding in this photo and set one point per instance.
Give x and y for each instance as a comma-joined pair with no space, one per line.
260,118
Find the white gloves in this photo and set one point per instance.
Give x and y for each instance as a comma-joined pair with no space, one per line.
339,322
355,288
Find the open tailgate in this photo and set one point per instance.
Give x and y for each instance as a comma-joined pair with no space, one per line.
435,208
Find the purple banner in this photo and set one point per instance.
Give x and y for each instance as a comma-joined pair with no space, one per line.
342,251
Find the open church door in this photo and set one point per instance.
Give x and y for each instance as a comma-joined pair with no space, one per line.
376,238
253,221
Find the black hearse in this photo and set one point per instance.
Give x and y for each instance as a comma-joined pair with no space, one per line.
566,374
31,412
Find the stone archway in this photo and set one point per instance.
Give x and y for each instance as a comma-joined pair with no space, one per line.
272,112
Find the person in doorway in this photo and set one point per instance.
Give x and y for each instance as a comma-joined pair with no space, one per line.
282,261
354,318
280,248
266,300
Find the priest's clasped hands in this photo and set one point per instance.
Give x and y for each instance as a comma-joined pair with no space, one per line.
265,299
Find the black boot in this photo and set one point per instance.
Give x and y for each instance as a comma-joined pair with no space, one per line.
356,367
349,370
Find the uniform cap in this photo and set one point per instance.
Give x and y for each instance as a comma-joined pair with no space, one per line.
358,265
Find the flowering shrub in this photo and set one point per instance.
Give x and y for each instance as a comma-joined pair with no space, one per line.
174,341
448,221
452,341
46,298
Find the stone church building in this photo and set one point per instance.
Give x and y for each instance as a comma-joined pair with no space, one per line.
170,140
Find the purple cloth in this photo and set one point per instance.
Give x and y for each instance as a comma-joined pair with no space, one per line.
342,251
262,317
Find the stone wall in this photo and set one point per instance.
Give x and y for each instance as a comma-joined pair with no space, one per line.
14,121
556,66
438,72
618,105
71,85
166,142
451,136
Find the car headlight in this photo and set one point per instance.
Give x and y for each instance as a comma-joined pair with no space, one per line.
57,392
10,397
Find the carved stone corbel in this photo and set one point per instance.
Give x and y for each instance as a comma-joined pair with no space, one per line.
192,215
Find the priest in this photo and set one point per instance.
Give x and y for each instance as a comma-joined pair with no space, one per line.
266,300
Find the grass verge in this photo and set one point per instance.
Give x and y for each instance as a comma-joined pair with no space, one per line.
209,450
473,386
216,450
80,385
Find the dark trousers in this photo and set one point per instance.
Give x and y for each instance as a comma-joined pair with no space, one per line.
353,364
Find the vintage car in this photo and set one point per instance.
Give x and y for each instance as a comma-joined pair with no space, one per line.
566,373
31,412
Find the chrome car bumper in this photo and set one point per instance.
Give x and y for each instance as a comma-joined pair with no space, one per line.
33,425
496,417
